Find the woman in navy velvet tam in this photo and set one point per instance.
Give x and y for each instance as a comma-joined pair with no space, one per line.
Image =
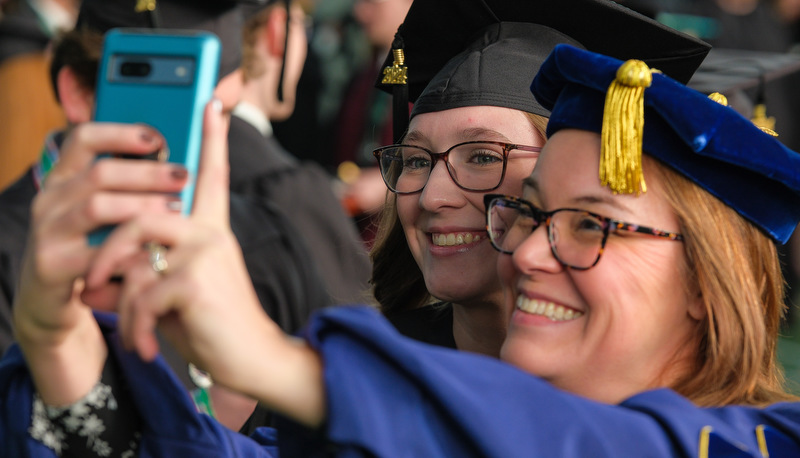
648,228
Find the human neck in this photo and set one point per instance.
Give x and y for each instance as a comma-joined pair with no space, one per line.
480,327
253,94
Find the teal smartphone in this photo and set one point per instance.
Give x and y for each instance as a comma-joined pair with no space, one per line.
162,78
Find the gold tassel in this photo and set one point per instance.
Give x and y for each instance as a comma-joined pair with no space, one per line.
762,121
719,98
398,72
145,5
623,126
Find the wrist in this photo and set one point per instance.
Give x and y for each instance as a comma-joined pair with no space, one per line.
66,366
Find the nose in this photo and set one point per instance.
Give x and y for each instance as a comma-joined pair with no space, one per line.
535,253
440,190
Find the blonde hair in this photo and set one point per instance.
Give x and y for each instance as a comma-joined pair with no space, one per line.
397,282
252,66
738,277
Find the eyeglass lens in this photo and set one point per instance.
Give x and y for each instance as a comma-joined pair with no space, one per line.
473,166
576,237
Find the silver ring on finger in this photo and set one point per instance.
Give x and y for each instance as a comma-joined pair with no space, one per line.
158,257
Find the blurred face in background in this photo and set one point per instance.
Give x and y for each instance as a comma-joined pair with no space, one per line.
380,19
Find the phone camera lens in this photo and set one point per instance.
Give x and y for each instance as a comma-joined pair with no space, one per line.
135,69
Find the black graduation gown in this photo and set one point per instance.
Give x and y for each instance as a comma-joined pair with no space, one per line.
262,169
432,324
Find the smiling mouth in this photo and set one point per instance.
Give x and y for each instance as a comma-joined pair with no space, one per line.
547,309
454,238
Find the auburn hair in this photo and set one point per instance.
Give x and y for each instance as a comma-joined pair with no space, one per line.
738,276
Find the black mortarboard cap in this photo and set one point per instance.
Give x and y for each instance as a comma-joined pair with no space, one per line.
709,143
221,17
484,52
744,78
730,70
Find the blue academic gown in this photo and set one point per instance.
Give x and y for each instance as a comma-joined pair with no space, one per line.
389,396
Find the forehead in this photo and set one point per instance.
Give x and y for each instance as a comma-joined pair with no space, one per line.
570,158
458,123
566,174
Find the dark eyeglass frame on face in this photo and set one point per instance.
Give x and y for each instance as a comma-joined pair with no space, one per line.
540,216
507,148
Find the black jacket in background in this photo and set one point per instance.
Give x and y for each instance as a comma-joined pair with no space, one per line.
264,171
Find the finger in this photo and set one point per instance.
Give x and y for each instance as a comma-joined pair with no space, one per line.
128,239
212,194
113,208
148,304
138,277
104,298
140,175
87,140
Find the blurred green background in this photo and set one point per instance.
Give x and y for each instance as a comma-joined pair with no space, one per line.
789,351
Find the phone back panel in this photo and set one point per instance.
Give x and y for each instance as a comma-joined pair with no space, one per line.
162,78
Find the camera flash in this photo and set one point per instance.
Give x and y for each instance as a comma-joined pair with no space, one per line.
180,71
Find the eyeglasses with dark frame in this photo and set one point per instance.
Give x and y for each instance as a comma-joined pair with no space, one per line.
473,166
577,237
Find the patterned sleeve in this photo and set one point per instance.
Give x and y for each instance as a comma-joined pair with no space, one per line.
92,426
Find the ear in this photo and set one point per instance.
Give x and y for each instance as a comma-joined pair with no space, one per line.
697,307
275,32
76,100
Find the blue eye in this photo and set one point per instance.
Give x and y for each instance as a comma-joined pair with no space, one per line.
416,163
482,155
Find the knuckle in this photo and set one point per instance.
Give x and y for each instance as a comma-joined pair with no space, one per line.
98,172
92,208
80,134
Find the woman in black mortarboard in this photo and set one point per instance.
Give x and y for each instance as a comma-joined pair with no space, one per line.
468,65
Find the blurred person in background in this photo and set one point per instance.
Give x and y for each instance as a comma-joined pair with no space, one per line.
28,107
262,169
365,117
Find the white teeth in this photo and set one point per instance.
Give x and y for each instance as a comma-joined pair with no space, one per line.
453,239
547,309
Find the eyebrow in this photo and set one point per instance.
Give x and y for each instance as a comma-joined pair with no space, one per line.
532,183
472,133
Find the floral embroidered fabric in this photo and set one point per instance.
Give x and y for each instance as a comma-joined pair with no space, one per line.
80,429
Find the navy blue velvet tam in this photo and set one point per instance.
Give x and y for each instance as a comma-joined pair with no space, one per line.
709,143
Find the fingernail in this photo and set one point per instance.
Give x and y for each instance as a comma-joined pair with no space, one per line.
216,105
174,204
179,173
148,136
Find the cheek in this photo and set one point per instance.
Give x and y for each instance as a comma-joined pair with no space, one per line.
408,213
506,271
639,284
407,209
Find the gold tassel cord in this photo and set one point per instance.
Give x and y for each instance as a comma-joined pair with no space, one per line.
760,119
623,127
